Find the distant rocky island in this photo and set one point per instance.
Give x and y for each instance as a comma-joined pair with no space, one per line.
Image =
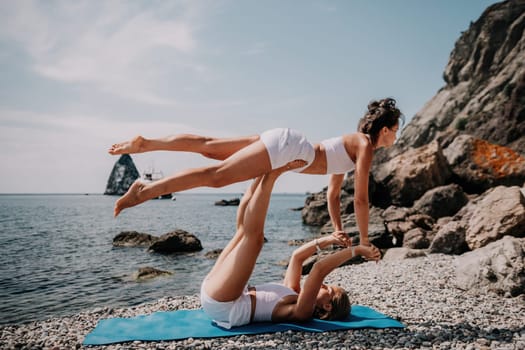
124,173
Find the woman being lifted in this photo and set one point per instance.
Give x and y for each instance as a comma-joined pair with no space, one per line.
230,302
245,158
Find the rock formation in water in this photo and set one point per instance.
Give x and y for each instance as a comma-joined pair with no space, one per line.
124,173
178,241
228,202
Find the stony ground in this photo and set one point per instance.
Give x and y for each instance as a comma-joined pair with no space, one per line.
420,292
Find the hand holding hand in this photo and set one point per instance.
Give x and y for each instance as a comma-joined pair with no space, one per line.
341,238
370,252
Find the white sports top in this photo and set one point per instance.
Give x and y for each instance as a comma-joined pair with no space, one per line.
337,159
267,295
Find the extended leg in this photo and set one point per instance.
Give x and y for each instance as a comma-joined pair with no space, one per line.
248,163
231,272
211,147
240,219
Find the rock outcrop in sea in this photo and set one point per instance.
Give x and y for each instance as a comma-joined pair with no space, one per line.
178,241
124,173
455,180
228,202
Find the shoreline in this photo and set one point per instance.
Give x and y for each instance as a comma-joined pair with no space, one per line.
419,292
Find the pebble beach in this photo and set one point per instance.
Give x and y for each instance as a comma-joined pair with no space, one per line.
419,292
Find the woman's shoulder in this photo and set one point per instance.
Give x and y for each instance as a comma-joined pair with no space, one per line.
357,140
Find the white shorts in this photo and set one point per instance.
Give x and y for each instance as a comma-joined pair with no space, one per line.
284,145
228,314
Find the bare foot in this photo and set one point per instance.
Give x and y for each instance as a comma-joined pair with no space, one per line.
129,199
127,147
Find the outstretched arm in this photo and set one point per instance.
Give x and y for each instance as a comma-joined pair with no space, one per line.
333,195
361,208
292,278
305,306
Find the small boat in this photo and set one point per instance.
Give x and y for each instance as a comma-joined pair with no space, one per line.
150,175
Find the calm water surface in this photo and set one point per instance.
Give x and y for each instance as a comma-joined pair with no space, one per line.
57,256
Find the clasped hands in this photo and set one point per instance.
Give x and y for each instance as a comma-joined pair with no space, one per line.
369,252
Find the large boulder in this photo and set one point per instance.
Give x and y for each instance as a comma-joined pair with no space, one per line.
498,212
176,241
449,239
133,239
315,210
409,175
479,165
408,227
441,201
124,173
416,238
398,229
497,267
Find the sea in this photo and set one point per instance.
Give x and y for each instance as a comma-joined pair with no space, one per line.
57,256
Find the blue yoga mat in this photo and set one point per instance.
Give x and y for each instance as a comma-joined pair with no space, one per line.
182,324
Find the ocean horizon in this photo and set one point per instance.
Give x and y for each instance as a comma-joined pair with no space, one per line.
189,192
58,259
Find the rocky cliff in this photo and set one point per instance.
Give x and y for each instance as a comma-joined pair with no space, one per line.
124,173
455,180
484,95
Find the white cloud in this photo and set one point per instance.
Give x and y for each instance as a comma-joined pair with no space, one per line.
111,45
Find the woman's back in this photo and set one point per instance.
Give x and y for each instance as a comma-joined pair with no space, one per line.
337,155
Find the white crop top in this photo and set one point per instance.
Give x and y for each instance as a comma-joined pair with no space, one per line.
267,296
337,159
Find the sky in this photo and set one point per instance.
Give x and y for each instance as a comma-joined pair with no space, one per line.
78,76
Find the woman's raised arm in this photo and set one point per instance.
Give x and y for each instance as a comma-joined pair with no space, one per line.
361,175
333,198
307,297
292,278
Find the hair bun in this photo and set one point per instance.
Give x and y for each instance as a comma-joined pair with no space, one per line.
381,113
388,103
373,106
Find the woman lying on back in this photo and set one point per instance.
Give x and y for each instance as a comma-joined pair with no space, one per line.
230,302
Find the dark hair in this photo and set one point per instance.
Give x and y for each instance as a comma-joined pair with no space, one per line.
380,114
340,308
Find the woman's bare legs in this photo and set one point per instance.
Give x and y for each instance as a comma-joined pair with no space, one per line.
247,163
228,278
210,147
240,219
